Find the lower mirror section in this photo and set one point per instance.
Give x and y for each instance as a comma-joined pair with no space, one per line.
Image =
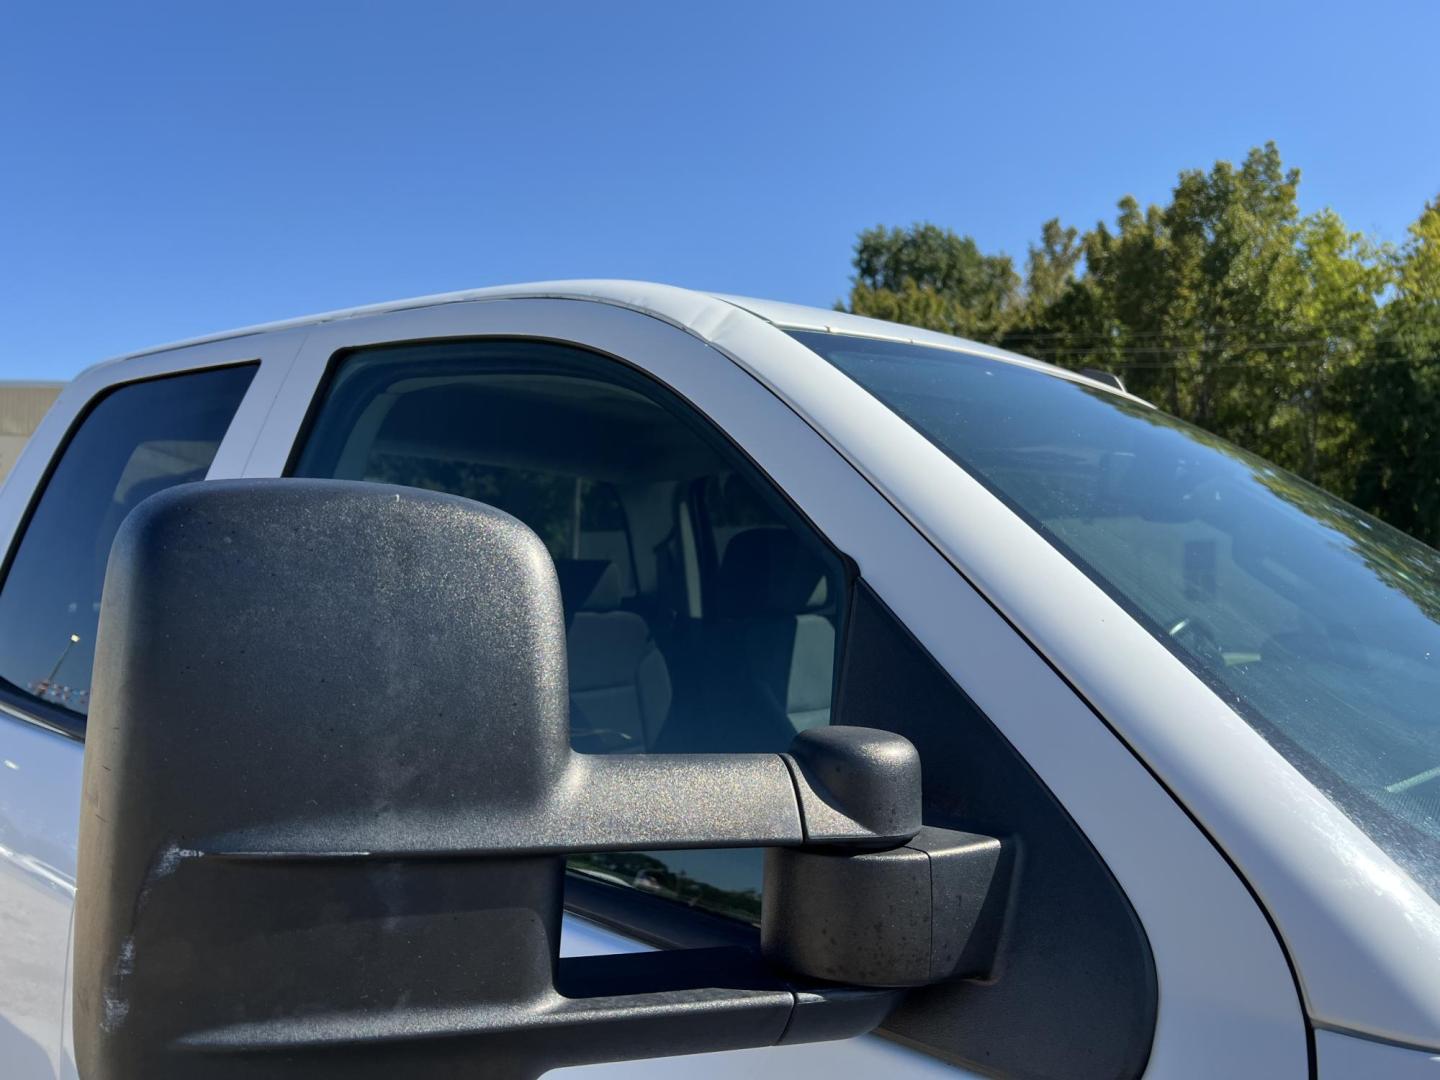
360,969
922,913
756,995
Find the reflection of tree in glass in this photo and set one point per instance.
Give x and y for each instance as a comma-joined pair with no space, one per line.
647,873
544,501
1401,562
1316,346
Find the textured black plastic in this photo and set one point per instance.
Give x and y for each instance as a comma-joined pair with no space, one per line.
857,784
328,787
909,916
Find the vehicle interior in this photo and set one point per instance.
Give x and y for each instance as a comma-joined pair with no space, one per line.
702,614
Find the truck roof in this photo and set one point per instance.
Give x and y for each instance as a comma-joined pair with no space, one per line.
689,309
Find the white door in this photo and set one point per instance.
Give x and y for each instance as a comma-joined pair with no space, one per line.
716,554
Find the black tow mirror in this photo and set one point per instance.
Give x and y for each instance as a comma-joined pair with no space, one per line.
328,791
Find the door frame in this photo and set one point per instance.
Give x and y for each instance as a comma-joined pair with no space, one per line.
271,353
1202,923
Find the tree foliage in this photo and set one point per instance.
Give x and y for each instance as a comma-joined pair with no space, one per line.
929,276
1396,397
1289,334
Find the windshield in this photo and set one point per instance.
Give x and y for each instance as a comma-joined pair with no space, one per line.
1319,624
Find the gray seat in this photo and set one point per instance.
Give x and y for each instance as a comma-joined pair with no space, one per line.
773,590
619,681
769,660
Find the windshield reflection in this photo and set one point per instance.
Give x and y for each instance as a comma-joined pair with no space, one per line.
1319,624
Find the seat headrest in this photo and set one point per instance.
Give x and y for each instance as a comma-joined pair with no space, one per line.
768,571
588,585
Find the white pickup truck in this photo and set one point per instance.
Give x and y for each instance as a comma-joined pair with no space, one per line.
894,686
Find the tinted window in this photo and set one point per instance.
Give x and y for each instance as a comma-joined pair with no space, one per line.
135,441
1318,623
702,613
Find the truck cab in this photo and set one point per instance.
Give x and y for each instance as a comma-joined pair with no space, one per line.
1186,702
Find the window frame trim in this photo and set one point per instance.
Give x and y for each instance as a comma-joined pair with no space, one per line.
695,419
35,468
698,417
28,707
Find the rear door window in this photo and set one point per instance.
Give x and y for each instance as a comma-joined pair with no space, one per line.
135,440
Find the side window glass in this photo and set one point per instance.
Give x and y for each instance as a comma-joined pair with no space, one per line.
702,613
137,439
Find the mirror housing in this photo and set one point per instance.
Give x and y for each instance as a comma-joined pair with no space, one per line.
329,789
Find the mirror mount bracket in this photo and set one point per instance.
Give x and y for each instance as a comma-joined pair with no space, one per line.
940,898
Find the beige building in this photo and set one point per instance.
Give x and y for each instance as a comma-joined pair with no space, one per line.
22,405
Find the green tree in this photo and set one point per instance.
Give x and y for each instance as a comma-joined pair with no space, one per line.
1293,336
1238,283
1189,302
1115,314
1224,306
1344,283
1050,267
931,277
1398,395
1194,302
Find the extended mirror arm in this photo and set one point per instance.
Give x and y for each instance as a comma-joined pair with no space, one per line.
853,786
857,893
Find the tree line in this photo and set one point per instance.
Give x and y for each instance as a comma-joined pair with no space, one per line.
1289,334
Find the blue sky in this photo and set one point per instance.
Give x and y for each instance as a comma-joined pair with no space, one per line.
174,169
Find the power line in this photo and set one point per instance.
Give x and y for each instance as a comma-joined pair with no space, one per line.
1239,362
1345,329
